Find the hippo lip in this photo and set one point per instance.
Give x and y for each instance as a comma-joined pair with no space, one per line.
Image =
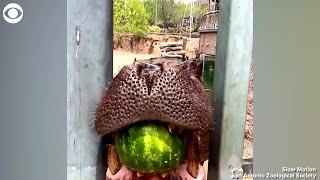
166,92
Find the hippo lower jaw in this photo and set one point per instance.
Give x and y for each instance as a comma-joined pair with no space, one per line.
178,173
188,170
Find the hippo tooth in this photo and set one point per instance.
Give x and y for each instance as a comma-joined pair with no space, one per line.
139,174
171,127
165,174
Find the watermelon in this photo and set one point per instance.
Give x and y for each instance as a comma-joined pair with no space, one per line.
150,148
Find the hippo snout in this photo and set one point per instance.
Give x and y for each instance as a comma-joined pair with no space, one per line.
171,93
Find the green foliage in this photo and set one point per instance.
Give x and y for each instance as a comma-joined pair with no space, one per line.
172,12
179,13
200,10
130,17
196,26
135,16
166,9
118,16
150,5
169,12
155,29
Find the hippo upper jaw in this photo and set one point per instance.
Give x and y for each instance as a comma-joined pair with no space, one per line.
168,92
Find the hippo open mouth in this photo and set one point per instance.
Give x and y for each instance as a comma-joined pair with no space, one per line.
167,92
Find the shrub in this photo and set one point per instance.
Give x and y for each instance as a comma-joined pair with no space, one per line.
130,18
196,27
154,29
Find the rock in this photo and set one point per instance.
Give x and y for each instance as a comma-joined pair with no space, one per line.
171,48
166,55
170,44
182,52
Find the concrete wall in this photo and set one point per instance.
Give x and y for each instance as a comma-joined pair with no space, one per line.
88,57
207,43
208,33
209,21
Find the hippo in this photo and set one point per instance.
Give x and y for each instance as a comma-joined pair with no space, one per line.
168,92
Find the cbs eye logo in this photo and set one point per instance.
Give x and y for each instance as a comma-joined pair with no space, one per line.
12,13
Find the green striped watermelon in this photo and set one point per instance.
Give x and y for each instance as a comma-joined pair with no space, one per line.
150,148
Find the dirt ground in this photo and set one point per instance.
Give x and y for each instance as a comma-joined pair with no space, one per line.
150,44
122,58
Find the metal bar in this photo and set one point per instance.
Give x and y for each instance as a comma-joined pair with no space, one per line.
109,41
156,22
234,48
191,18
89,66
208,30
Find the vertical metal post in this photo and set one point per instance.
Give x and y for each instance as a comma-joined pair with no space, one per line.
156,12
191,17
89,66
109,41
234,49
